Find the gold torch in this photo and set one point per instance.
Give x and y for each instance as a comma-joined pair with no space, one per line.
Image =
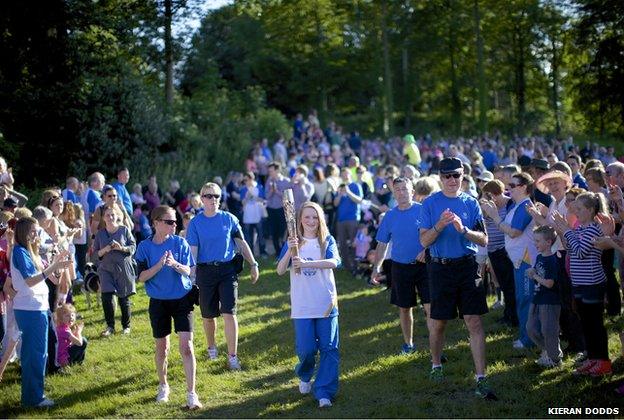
291,220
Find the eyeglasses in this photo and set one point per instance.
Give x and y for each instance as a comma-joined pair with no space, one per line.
169,222
449,176
209,196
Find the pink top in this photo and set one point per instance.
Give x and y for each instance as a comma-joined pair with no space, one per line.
63,332
362,244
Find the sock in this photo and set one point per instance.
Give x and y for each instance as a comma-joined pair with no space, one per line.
433,366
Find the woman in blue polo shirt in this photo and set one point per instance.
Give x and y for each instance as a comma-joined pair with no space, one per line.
31,307
164,264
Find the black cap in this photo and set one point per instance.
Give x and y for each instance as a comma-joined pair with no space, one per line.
540,164
451,165
10,203
524,160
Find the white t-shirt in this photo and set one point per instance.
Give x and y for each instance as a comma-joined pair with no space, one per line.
27,298
313,292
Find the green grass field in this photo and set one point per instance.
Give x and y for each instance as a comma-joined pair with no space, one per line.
119,379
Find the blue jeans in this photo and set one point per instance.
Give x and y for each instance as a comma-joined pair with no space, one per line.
313,336
34,328
524,296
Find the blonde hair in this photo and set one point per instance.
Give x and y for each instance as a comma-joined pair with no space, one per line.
22,237
322,231
210,185
63,311
593,201
22,212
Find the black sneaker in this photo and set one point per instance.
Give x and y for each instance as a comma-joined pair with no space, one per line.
484,391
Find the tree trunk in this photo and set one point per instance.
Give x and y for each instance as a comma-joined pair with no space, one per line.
407,91
388,125
168,54
555,86
482,94
520,77
455,101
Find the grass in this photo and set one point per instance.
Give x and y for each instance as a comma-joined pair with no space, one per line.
119,379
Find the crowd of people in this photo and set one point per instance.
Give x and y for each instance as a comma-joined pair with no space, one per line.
441,223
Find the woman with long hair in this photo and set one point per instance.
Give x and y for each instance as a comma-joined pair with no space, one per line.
314,301
31,306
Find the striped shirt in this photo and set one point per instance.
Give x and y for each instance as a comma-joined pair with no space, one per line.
496,238
585,258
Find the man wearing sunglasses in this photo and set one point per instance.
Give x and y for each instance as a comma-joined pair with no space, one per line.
213,236
452,226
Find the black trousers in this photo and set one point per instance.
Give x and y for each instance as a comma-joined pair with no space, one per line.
77,353
504,271
277,228
593,327
614,300
109,310
571,329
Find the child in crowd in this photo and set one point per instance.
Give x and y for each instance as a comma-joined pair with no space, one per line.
195,204
72,346
186,219
543,322
588,279
362,241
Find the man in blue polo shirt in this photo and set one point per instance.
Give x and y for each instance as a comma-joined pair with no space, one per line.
123,176
452,227
213,236
347,216
401,225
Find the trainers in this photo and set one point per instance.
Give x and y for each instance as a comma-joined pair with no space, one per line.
518,345
497,305
547,362
584,368
212,353
305,387
234,363
45,403
484,391
324,402
580,358
436,374
192,401
107,332
126,331
600,368
407,349
163,393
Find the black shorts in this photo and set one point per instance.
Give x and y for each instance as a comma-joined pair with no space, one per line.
407,281
161,311
456,287
218,289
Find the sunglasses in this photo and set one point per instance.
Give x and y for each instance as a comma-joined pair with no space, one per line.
169,222
449,176
209,196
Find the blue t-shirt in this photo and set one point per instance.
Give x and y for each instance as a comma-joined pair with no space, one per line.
69,195
521,218
347,208
214,236
94,198
450,243
580,181
489,159
23,262
123,195
144,226
243,191
547,268
403,228
167,284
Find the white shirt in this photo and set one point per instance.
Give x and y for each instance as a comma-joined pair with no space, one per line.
313,292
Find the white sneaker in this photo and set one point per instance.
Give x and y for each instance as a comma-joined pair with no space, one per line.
163,393
547,362
542,358
212,353
497,305
45,403
234,363
192,401
126,331
324,402
305,387
518,345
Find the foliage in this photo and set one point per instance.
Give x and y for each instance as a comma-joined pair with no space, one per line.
119,378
